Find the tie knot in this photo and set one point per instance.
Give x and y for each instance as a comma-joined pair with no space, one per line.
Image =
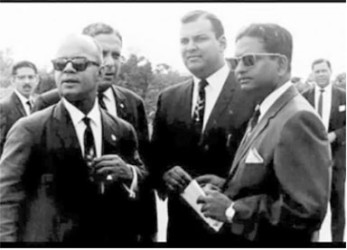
202,84
322,90
86,120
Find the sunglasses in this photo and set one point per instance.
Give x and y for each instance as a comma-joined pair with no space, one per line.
249,60
78,63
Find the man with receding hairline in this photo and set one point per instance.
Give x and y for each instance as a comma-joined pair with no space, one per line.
122,103
71,173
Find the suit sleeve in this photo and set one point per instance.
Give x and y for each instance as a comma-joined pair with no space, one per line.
301,174
142,129
3,128
16,153
341,131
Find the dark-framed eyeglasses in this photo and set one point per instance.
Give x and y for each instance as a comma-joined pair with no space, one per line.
78,63
249,60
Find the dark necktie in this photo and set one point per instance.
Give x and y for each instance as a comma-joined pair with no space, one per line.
254,119
320,103
30,106
198,116
101,101
89,145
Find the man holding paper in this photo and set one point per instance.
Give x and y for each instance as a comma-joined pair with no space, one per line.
278,185
197,122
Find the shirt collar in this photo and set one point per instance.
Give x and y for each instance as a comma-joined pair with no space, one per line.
217,79
272,97
108,93
77,116
22,98
327,88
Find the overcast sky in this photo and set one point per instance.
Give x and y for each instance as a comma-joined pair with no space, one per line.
33,31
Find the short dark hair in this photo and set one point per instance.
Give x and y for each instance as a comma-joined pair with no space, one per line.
215,21
321,60
276,39
95,29
23,64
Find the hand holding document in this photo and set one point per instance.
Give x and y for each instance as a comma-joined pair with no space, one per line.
190,195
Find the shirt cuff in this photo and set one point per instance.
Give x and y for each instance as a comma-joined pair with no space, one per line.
230,212
134,183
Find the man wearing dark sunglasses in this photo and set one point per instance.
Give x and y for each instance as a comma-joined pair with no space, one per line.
198,125
278,185
71,173
119,102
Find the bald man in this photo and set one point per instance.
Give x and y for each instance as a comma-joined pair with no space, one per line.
71,172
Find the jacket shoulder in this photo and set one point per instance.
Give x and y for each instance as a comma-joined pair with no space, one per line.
128,93
176,88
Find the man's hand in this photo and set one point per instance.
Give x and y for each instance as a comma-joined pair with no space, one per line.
211,179
176,179
214,205
110,168
332,137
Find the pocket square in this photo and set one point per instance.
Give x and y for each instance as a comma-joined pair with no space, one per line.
342,108
254,157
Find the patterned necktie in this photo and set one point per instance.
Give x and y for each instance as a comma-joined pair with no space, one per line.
30,106
320,103
253,121
89,145
101,101
198,116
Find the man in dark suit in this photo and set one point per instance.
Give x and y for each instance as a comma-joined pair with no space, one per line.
278,185
197,123
118,102
330,103
71,172
24,78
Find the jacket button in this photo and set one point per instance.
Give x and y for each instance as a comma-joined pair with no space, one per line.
206,148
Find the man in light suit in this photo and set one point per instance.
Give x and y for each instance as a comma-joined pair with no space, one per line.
24,78
71,173
198,122
119,102
330,103
278,185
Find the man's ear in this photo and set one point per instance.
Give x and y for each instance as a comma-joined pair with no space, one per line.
101,71
222,42
283,65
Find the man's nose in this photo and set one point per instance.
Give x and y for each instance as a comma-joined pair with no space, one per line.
191,45
69,67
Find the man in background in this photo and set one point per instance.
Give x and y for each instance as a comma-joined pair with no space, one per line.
330,103
24,78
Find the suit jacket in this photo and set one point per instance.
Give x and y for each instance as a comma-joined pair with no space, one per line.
279,179
174,143
337,122
11,109
130,107
45,191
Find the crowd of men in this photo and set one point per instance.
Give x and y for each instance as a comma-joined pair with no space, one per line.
78,164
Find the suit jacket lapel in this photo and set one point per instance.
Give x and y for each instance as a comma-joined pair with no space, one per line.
224,99
185,102
65,130
310,97
109,135
259,128
121,104
18,104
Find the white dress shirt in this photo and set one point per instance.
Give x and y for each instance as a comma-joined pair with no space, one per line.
24,102
326,104
95,123
110,101
212,91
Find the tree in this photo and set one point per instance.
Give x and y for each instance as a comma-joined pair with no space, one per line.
6,63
